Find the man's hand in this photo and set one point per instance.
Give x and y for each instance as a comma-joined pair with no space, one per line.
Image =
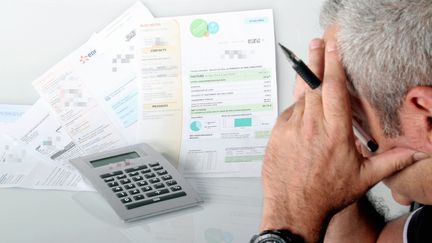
412,183
312,168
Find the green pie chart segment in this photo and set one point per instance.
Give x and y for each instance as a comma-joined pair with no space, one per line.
198,28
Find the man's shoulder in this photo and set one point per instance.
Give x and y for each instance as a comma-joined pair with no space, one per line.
420,225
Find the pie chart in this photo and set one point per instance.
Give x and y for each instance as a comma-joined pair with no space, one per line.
196,126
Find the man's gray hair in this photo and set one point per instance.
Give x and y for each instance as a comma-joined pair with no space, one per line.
386,48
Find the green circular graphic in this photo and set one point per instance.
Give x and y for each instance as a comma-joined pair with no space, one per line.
198,28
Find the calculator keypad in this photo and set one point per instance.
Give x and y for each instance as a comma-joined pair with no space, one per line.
142,185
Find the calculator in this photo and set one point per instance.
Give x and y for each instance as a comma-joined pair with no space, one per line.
137,182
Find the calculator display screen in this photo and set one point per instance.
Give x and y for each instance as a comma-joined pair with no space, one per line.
114,159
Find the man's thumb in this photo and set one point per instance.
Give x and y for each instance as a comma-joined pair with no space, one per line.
385,164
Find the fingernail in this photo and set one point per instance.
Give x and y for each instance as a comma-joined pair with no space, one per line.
316,43
331,46
420,156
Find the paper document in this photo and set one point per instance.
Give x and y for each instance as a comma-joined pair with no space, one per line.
216,73
93,91
111,76
230,92
65,90
160,85
11,113
21,168
43,134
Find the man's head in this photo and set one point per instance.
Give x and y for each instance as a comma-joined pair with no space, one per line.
386,48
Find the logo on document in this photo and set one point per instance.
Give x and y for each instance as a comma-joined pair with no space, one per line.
131,35
200,28
86,58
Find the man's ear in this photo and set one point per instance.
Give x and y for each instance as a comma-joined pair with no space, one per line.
417,109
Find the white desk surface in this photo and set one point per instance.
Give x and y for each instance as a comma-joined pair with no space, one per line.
37,34
84,217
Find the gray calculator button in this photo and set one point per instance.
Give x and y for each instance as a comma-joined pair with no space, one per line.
105,175
133,192
176,188
129,186
138,197
142,183
121,194
151,175
134,173
126,200
166,177
121,177
111,174
138,178
159,185
109,179
136,168
155,200
112,184
174,195
117,189
154,164
162,172
145,171
154,180
157,168
124,181
171,182
157,192
146,188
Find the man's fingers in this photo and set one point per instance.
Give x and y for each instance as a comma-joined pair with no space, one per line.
299,88
336,102
385,164
316,64
316,57
287,113
299,107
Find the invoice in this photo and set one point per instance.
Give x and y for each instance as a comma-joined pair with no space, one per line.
222,68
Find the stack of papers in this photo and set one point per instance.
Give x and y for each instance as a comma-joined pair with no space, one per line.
199,89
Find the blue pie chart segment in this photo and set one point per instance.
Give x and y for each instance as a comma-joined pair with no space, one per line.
196,126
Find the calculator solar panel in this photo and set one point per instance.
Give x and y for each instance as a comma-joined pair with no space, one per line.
137,182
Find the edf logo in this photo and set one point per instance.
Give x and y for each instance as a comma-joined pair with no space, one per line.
84,59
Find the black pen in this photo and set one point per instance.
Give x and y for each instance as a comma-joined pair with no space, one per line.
315,83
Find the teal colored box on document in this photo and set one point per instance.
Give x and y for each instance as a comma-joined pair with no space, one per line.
243,122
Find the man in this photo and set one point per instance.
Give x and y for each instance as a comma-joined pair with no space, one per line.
314,178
